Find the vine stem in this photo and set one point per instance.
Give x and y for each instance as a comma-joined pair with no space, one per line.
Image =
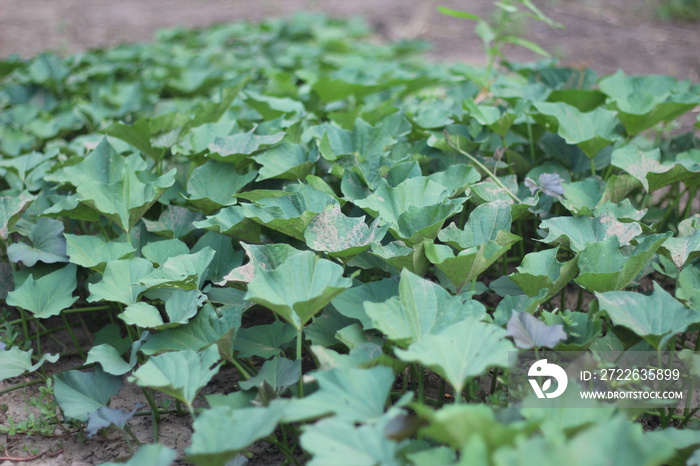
20,386
300,337
483,167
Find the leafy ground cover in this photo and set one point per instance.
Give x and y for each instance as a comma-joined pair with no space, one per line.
360,236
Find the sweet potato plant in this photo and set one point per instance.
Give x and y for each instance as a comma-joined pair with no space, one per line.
361,235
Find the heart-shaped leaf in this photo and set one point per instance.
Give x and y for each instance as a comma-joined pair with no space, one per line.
529,332
48,295
341,236
421,308
656,317
180,374
15,362
298,288
603,267
461,351
80,393
47,244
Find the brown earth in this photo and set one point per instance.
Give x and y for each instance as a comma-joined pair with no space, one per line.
605,35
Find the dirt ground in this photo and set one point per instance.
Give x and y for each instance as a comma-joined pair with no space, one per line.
605,35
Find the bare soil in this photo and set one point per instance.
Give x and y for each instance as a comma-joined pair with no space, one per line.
605,35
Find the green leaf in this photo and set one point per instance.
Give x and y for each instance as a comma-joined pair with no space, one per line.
264,256
186,271
115,186
231,221
273,107
206,328
221,433
688,286
213,185
461,351
80,393
289,214
332,441
483,225
15,362
485,238
155,454
590,131
656,317
104,417
341,236
457,178
47,244
421,308
557,416
11,209
352,395
400,256
226,258
109,358
647,167
582,328
93,252
458,13
325,326
541,270
298,288
180,374
373,292
286,162
600,444
48,295
415,209
138,135
683,249
159,252
644,101
580,231
119,281
237,147
603,267
529,332
363,141
277,373
264,341
457,425
180,306
174,222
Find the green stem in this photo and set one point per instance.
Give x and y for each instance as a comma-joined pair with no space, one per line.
283,449
418,373
151,402
131,433
592,167
579,301
562,303
240,369
300,338
482,167
531,138
20,386
494,381
178,407
77,344
85,309
25,323
691,196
